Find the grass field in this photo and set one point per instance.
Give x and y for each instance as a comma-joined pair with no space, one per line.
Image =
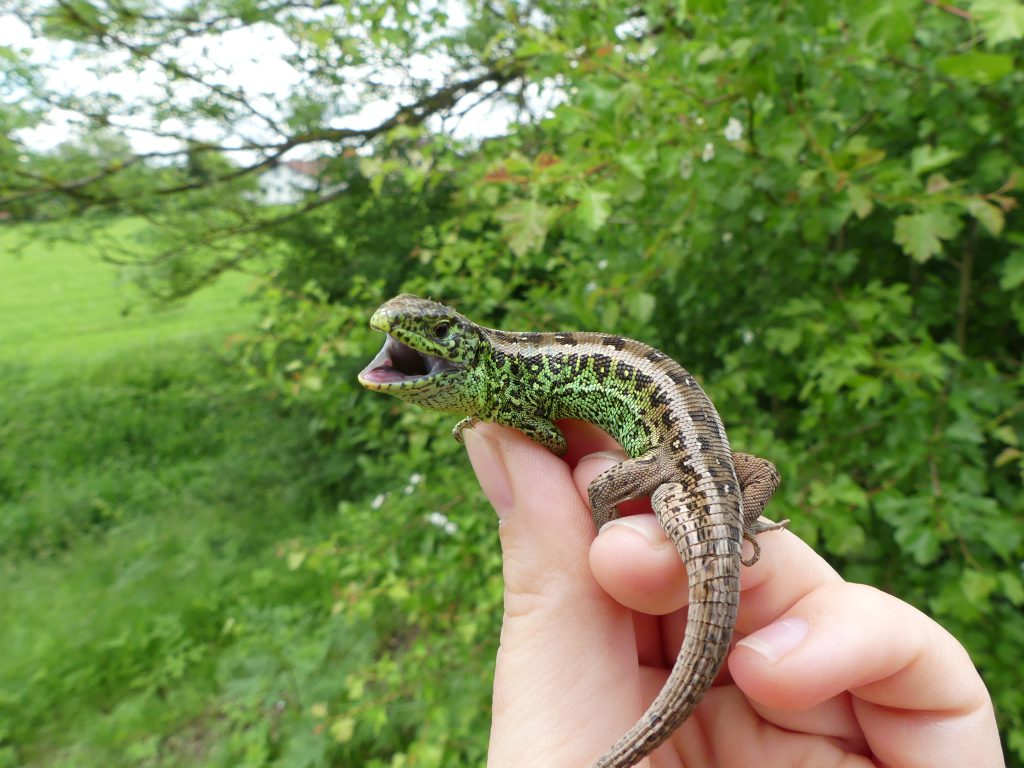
143,491
195,574
61,305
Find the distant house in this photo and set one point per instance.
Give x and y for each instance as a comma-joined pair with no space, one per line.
289,181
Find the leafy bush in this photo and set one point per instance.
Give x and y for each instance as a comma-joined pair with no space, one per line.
182,585
814,208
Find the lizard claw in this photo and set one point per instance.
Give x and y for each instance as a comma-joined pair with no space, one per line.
467,423
750,534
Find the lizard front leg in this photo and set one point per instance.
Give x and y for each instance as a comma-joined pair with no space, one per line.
537,429
758,480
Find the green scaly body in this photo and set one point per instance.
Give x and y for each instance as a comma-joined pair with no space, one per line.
706,497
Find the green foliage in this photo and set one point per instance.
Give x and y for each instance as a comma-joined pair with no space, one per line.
385,215
816,210
181,587
181,582
814,207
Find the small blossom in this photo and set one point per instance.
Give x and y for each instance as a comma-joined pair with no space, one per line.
415,478
727,237
602,264
709,152
590,287
409,489
733,130
378,501
699,121
686,167
440,520
747,336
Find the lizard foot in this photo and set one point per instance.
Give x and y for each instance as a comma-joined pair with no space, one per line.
467,423
755,527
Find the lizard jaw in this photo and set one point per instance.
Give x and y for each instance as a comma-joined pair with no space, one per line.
399,366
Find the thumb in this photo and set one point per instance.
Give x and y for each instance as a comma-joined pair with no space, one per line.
567,650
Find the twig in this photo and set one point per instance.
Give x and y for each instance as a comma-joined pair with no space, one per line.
951,9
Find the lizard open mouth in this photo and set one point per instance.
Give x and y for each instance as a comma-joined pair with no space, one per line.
398,365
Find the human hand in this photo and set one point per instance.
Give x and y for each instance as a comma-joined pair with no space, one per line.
825,672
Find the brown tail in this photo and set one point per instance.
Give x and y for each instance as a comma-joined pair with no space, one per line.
708,535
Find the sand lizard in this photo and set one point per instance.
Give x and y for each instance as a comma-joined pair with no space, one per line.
707,498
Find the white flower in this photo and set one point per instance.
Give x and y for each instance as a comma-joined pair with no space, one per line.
733,130
699,121
602,264
747,336
415,478
686,167
409,489
590,287
378,501
709,152
440,520
727,237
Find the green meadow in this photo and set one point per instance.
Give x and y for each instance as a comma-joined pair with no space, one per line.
63,306
195,573
144,493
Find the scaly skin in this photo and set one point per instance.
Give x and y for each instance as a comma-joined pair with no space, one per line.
707,498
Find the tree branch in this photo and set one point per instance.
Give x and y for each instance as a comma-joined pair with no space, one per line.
415,113
952,9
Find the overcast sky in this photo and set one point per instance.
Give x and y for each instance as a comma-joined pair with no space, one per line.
252,57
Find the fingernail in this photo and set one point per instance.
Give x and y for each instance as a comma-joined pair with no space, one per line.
617,456
778,639
490,469
646,525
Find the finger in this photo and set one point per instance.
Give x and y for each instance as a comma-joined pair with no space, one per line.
585,438
636,563
562,689
786,572
916,694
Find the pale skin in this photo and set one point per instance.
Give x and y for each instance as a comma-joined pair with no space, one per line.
825,673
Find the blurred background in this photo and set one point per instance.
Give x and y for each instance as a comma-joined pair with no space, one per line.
217,550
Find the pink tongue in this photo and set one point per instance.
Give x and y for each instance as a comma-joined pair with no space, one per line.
383,374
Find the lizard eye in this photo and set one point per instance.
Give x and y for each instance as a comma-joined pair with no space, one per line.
441,329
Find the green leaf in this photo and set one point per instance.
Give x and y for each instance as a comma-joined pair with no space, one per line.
921,234
978,586
1013,271
641,306
927,158
1000,20
1012,587
890,23
321,37
990,216
1006,456
1007,434
594,209
524,224
860,200
342,729
984,68
633,164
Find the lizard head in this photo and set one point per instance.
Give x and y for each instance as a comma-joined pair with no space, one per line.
426,354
